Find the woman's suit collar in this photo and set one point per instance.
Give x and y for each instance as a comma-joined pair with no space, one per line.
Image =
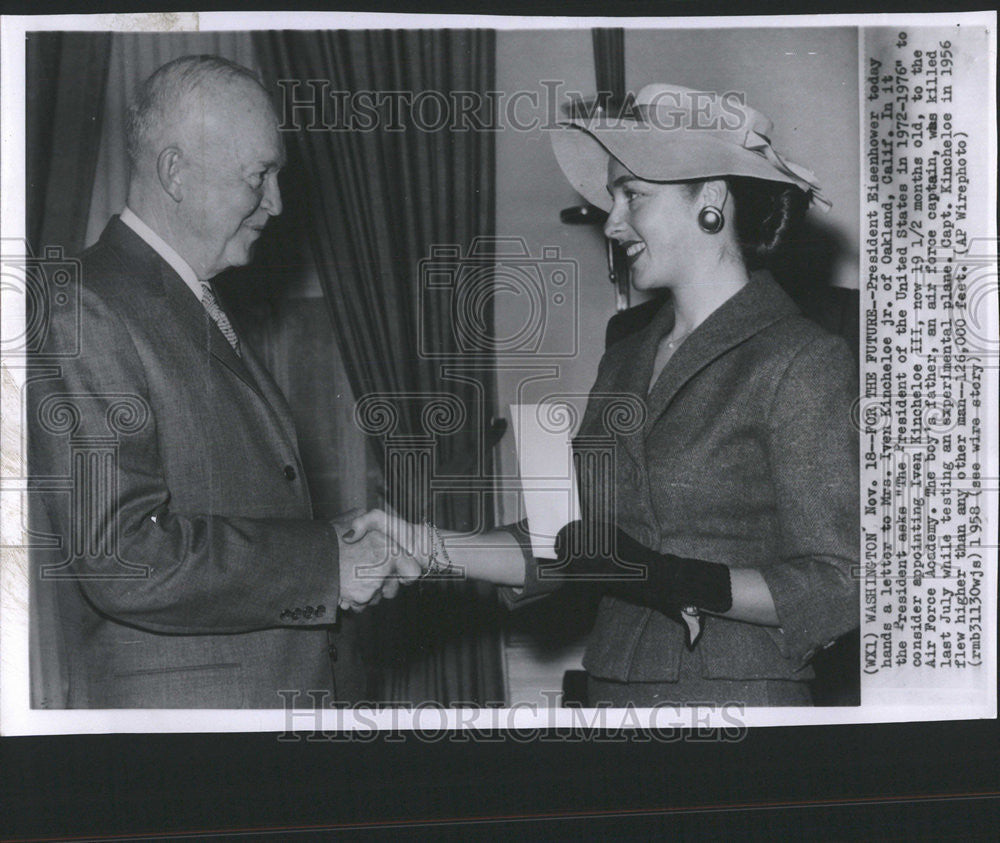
758,304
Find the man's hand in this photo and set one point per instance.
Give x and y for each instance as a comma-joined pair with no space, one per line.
415,539
371,567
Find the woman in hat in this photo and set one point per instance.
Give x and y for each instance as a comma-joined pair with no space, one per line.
728,553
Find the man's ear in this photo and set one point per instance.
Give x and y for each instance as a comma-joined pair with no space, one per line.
714,192
168,170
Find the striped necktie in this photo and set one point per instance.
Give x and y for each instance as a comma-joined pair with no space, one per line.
219,316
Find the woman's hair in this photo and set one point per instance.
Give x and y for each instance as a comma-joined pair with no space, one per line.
766,213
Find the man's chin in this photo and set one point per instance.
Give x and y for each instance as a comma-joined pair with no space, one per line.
240,255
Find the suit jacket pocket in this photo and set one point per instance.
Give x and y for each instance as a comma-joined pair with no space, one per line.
632,643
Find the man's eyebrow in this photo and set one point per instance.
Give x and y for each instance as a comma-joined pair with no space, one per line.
271,164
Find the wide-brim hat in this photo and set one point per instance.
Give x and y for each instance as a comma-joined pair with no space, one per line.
674,133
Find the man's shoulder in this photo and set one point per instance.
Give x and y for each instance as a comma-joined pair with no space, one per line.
114,289
100,267
116,265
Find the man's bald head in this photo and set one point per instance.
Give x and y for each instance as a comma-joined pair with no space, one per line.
180,90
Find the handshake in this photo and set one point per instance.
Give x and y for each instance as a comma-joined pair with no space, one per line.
380,552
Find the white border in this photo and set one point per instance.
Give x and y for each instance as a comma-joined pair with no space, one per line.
17,25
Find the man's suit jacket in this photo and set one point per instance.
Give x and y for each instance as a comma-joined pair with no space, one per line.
197,576
746,455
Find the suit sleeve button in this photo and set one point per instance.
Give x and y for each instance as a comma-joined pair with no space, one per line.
320,610
285,615
289,473
308,612
296,614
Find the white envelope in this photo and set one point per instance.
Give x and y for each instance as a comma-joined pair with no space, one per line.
543,436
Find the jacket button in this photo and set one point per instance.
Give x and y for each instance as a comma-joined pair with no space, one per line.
296,614
289,473
308,613
332,650
285,615
320,610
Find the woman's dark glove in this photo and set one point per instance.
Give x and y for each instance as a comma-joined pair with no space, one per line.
638,574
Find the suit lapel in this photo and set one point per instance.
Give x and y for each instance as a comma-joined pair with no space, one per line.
760,303
223,352
640,370
247,368
269,389
200,328
187,315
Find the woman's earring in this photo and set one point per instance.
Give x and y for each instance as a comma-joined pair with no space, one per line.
711,220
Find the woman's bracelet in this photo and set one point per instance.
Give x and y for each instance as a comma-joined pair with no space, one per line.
438,562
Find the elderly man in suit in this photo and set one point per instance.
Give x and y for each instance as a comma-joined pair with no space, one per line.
192,573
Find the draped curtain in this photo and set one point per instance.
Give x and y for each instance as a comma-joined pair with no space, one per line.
377,199
66,76
66,80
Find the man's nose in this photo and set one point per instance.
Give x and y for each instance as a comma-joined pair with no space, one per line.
272,196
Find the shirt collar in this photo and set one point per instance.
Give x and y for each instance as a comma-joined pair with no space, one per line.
164,250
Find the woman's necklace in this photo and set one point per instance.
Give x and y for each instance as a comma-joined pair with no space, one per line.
676,341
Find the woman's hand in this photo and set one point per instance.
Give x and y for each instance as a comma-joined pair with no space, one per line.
435,554
413,539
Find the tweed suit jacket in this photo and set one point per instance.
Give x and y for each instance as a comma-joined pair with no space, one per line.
747,456
193,574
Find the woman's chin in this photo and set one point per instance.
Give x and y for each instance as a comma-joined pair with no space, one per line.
645,283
